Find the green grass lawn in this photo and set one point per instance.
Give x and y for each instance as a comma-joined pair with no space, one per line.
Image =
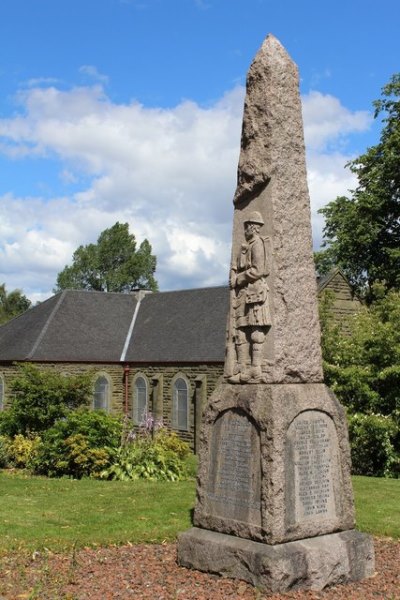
58,513
378,505
37,512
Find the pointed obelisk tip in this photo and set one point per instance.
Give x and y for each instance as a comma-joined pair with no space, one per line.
271,41
271,47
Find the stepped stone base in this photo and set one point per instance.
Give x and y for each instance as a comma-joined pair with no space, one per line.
311,563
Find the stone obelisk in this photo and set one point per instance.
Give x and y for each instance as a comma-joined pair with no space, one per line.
274,497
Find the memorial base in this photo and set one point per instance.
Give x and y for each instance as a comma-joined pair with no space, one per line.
274,463
311,563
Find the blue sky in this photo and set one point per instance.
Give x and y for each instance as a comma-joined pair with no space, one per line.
130,110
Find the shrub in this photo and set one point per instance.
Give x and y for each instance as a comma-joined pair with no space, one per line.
82,459
4,452
362,367
155,456
22,450
372,448
353,385
79,445
191,465
40,398
171,441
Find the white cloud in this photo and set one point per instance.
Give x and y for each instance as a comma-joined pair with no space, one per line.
327,179
327,121
93,73
170,173
38,81
327,125
68,177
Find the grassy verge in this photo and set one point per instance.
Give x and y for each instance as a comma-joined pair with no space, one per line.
378,505
57,514
37,512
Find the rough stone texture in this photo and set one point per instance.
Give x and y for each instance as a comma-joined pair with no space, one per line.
274,486
274,463
274,497
312,563
272,180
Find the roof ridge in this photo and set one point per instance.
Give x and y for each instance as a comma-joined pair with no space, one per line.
46,326
196,289
31,307
83,291
325,279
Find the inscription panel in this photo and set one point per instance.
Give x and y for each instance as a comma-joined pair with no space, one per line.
235,469
312,454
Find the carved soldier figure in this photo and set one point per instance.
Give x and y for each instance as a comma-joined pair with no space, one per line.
250,303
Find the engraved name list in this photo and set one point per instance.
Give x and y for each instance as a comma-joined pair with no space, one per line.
312,445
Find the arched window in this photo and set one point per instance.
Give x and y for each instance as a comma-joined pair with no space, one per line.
140,399
1,392
180,405
101,393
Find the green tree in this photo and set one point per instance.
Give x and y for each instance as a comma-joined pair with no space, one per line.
113,264
12,303
362,232
362,367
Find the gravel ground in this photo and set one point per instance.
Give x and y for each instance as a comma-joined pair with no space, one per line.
150,572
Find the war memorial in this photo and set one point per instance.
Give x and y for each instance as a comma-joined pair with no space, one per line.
274,496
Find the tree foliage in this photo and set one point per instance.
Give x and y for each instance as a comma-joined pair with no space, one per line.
12,303
363,369
113,264
373,441
362,231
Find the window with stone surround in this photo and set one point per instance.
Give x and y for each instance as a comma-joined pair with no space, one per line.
1,392
140,405
180,403
101,393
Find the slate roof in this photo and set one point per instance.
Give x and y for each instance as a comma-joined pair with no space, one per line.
82,326
71,326
183,326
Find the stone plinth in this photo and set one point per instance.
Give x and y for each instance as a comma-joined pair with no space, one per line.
311,563
274,463
274,497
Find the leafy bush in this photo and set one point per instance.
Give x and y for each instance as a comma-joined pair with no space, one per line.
362,368
22,450
151,454
170,441
353,385
191,465
372,449
40,398
4,452
83,460
79,445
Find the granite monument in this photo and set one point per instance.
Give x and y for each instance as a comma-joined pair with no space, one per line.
274,497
